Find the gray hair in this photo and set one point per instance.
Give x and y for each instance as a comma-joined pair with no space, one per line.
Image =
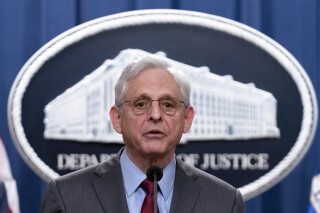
151,62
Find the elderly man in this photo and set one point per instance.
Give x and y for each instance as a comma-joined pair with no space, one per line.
152,110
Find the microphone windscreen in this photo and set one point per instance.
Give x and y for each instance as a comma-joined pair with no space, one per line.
154,170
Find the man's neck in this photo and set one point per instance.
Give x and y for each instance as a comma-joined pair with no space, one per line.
146,161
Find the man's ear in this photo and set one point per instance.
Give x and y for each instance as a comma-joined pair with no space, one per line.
188,118
114,114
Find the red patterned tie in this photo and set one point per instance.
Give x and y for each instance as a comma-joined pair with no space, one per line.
147,206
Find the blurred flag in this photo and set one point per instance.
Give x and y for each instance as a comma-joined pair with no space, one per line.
9,200
3,199
314,206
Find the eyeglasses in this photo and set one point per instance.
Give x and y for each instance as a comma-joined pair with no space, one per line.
141,105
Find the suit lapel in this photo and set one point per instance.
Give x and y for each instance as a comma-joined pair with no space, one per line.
186,192
109,187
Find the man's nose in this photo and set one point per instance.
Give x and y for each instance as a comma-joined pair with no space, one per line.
155,111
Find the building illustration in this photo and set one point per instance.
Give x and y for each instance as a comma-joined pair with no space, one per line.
225,109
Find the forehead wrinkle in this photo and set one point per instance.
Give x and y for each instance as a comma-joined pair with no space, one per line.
153,95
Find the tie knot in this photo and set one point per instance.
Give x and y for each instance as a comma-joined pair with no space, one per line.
147,186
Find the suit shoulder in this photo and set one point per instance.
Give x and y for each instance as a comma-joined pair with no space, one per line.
212,190
87,174
206,180
79,174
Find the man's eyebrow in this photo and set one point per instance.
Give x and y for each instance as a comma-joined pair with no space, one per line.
145,95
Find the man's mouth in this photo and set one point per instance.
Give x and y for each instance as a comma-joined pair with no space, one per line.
154,134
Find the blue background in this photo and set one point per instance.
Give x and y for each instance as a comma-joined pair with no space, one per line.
26,25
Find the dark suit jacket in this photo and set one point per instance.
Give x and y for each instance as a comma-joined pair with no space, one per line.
100,189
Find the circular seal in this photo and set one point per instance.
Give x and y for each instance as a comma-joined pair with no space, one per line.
256,110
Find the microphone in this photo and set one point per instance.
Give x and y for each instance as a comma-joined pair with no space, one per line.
154,174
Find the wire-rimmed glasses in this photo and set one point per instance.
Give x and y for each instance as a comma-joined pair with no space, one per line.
140,105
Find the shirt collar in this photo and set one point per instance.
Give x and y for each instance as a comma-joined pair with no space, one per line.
133,176
166,183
